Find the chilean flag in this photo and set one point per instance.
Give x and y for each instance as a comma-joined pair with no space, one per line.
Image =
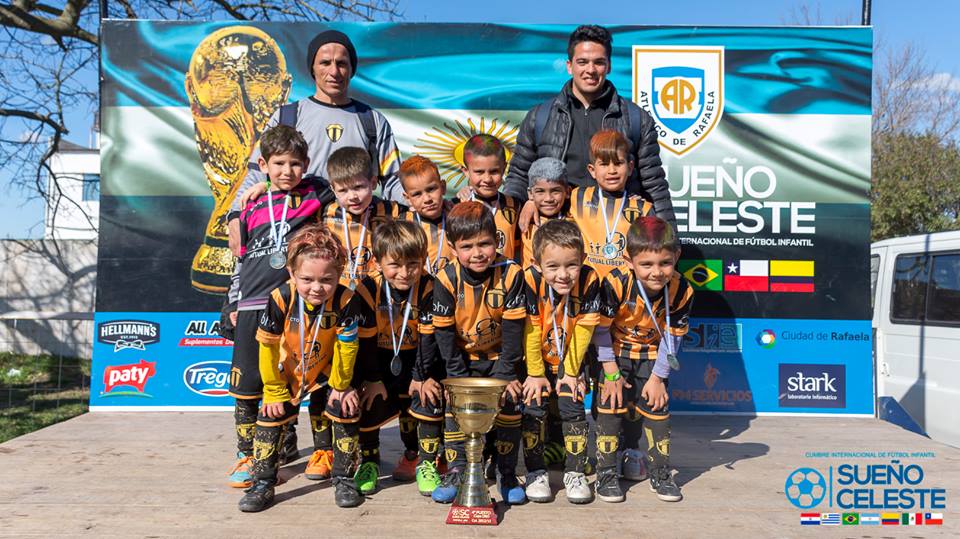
746,276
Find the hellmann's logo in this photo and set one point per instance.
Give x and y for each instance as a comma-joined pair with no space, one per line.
123,334
132,377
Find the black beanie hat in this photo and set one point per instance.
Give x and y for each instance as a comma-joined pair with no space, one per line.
331,36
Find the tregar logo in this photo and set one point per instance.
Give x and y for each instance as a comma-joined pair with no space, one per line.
208,378
130,376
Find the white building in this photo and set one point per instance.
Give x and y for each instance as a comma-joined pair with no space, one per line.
73,200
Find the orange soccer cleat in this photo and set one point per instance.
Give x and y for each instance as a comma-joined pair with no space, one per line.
406,469
320,465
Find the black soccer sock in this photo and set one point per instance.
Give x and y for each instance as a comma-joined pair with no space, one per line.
658,442
575,435
533,427
632,429
553,429
245,420
322,434
370,446
345,437
454,441
266,452
608,441
408,432
507,446
428,433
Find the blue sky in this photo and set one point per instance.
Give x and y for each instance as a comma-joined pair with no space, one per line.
930,24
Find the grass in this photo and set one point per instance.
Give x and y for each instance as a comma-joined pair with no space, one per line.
39,390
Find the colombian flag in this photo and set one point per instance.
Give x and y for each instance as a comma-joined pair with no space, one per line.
791,276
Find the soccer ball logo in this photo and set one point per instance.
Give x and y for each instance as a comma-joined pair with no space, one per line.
805,487
766,339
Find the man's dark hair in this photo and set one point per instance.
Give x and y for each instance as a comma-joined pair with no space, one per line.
590,32
282,139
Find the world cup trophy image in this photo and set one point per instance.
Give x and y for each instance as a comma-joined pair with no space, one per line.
237,78
474,403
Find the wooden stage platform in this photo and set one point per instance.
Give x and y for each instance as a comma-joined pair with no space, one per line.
162,475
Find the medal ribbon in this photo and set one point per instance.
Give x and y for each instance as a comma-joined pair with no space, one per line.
666,306
553,318
606,223
406,317
303,351
275,235
443,232
354,260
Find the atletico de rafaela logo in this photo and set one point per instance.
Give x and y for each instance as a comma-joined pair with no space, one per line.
682,88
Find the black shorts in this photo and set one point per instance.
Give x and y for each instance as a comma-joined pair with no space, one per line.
570,407
321,395
635,373
245,381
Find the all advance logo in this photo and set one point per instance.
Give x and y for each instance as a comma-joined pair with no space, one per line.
805,488
682,88
133,377
204,333
812,386
766,339
123,334
208,378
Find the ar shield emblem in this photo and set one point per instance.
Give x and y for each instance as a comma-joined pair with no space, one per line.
682,88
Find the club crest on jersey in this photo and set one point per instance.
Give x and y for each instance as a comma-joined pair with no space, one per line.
334,132
682,88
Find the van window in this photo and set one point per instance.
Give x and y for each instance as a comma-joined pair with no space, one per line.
874,273
944,300
909,288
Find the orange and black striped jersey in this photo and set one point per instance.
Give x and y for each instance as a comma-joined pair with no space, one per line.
476,308
506,212
280,324
632,330
526,239
587,211
374,318
439,252
582,304
379,212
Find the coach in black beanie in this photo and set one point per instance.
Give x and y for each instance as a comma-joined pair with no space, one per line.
331,36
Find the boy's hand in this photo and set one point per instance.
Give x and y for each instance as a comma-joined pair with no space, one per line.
252,194
233,318
430,392
370,391
465,194
515,390
574,383
533,389
582,384
414,388
233,236
272,410
612,391
349,401
528,215
655,393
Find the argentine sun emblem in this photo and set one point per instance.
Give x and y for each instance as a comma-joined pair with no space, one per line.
682,88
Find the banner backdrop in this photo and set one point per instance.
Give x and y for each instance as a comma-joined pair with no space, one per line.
764,132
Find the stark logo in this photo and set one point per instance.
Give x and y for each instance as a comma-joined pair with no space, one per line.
682,88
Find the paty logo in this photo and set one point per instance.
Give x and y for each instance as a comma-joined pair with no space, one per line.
133,376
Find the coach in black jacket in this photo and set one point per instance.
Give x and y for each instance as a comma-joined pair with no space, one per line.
562,127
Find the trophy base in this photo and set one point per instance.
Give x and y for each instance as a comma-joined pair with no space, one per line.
484,515
212,267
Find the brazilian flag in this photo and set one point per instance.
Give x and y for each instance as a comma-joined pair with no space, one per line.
851,519
703,274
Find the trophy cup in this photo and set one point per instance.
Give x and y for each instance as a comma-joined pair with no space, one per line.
474,403
236,79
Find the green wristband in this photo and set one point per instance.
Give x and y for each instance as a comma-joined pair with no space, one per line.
611,377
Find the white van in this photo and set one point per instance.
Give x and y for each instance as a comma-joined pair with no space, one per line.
915,295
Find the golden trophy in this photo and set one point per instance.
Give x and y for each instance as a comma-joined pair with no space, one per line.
237,78
474,403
